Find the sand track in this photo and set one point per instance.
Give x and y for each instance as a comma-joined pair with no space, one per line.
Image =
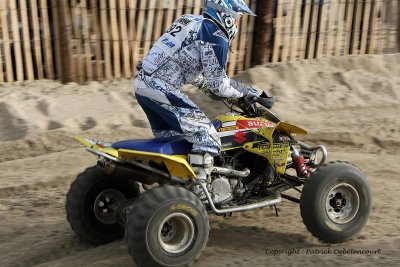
350,104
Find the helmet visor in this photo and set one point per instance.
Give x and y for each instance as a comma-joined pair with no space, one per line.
240,6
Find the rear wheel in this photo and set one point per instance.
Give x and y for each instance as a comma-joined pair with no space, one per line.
93,203
168,226
336,202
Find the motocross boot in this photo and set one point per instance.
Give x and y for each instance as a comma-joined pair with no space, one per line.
202,165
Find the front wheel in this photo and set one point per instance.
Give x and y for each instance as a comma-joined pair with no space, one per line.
336,202
168,226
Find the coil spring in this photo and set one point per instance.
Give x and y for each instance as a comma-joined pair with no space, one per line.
302,169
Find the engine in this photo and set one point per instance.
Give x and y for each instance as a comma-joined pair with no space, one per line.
221,190
224,190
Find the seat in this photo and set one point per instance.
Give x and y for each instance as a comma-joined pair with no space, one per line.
176,145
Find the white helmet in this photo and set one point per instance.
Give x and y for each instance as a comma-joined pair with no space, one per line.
225,12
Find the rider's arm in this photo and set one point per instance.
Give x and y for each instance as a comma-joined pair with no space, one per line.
213,47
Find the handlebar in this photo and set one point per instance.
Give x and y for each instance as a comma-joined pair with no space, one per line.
266,102
246,104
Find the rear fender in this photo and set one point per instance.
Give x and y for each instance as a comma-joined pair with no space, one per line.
176,165
99,148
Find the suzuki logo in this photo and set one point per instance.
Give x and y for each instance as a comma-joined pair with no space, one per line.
240,137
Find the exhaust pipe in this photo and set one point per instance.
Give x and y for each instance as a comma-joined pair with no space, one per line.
231,172
310,151
265,203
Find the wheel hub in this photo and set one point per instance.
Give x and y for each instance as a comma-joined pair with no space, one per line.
176,232
342,203
106,205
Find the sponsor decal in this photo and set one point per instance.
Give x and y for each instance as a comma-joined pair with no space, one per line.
284,138
228,123
245,124
184,21
229,128
240,137
168,43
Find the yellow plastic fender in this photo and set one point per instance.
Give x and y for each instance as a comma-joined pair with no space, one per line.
177,165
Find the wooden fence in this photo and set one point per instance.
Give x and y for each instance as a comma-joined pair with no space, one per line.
85,40
321,28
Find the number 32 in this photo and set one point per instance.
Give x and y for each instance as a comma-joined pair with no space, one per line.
174,30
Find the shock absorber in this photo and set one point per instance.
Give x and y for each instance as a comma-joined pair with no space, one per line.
299,163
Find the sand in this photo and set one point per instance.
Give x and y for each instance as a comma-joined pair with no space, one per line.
349,104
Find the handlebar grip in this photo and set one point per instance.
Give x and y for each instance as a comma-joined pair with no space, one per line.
267,102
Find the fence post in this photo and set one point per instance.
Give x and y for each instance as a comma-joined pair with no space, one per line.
67,63
263,41
398,25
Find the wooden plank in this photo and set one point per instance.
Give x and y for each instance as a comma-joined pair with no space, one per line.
232,58
365,27
340,29
87,42
170,13
19,65
349,21
398,26
197,7
36,39
356,29
306,24
249,46
132,34
287,30
313,33
278,29
124,38
139,33
115,39
321,31
189,6
106,39
1,58
97,40
242,42
26,41
67,60
78,41
149,26
48,58
374,27
56,30
1,61
158,26
6,41
295,31
382,29
331,24
179,8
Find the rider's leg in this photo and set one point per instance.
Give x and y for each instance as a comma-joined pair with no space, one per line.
170,111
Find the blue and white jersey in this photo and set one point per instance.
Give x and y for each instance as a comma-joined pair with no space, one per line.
194,50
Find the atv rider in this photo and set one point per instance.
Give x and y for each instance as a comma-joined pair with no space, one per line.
194,50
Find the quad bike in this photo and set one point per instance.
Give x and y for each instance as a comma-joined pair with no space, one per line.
165,221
